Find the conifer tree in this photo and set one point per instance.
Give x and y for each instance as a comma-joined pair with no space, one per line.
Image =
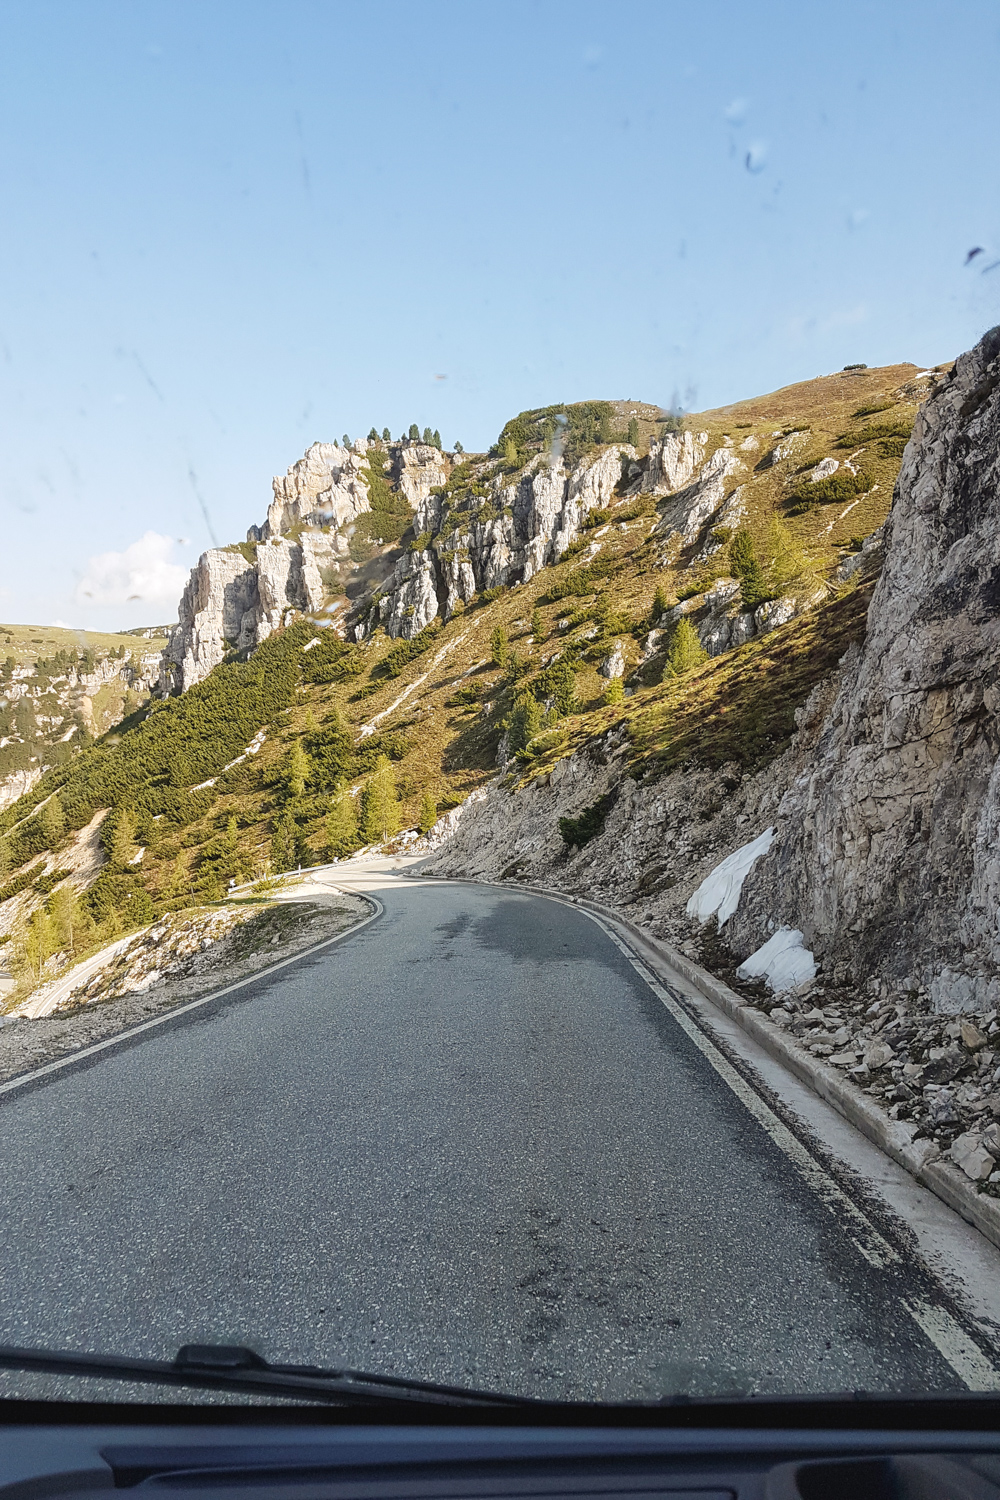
564,696
660,605
614,692
283,841
745,565
428,813
537,628
633,431
373,435
380,804
428,437
69,919
386,435
341,824
524,723
121,848
458,447
686,650
347,441
436,438
53,820
499,647
39,941
414,433
297,771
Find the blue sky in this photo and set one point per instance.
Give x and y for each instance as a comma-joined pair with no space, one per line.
228,229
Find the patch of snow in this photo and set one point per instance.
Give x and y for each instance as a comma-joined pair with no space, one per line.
784,961
719,893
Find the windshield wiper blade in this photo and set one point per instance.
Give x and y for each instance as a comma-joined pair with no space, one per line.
232,1368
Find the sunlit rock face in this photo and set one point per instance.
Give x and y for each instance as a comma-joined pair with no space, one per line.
888,852
233,603
526,524
326,487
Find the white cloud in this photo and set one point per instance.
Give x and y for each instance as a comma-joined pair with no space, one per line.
142,572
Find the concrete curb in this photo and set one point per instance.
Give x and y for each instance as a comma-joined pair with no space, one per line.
919,1158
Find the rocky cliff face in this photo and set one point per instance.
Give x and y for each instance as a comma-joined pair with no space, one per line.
887,849
233,602
494,532
886,808
236,596
328,486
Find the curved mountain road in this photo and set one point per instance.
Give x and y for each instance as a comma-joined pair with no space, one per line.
467,1143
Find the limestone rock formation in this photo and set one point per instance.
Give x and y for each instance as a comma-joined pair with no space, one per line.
232,602
525,524
887,850
328,486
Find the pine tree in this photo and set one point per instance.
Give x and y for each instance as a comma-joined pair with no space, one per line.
564,696
436,438
53,820
537,628
373,436
458,447
414,433
686,650
69,919
341,825
177,880
660,605
4,860
297,771
745,565
283,840
633,431
122,843
39,942
386,435
614,692
428,437
428,813
380,805
499,647
524,723
347,441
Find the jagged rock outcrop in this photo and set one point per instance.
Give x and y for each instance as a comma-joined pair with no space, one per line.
474,542
233,601
328,486
888,850
236,596
672,461
689,511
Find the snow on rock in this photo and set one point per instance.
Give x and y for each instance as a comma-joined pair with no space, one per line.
784,961
719,893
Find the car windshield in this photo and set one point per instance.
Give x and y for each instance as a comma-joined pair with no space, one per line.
499,710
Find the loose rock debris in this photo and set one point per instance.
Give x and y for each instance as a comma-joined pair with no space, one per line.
939,1073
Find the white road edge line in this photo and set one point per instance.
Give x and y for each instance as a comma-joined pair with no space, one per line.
955,1346
180,1010
951,1341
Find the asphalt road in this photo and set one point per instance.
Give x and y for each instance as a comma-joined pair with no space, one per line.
467,1144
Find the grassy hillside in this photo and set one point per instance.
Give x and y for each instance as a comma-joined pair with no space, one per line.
61,688
254,769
